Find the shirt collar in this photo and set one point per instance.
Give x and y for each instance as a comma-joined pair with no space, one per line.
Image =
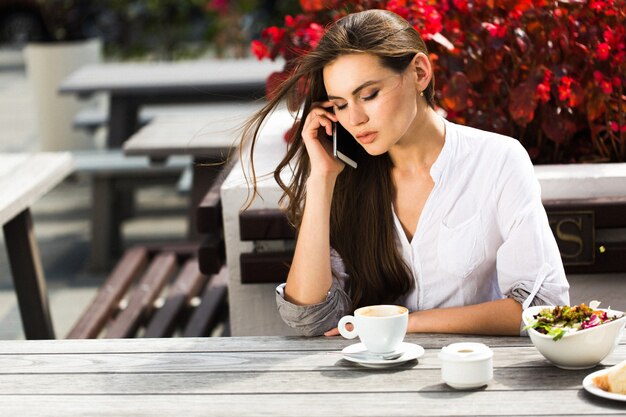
438,167
454,148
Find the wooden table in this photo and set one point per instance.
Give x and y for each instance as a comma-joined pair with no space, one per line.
278,376
24,178
132,85
208,135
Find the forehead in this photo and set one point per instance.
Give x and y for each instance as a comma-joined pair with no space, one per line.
347,72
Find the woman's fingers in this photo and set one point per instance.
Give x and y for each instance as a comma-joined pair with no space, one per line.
327,124
319,117
335,331
318,125
332,332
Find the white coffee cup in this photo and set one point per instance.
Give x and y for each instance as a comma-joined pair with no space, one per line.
381,328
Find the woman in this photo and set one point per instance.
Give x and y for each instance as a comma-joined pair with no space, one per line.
443,219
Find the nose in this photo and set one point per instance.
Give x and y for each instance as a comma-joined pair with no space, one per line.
357,116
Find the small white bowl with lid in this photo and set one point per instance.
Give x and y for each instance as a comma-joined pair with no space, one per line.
466,365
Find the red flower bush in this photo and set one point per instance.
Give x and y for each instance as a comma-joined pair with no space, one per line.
550,73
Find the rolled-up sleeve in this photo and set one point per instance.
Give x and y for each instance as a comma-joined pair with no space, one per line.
529,265
314,320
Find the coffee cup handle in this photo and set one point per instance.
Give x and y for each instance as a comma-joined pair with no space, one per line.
348,334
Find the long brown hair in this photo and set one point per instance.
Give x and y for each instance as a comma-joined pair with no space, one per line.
361,218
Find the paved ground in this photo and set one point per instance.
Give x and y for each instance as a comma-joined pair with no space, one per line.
62,227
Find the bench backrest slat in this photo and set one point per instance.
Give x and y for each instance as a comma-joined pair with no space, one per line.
186,286
143,297
110,294
264,224
207,314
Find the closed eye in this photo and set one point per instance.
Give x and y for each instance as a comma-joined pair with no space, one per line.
371,96
366,98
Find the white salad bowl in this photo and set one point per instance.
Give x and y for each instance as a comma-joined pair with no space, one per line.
581,349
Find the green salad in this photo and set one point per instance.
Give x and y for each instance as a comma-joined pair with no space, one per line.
560,320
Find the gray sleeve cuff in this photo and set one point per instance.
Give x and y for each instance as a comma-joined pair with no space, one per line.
314,320
521,294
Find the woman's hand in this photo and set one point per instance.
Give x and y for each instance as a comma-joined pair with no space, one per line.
332,332
335,331
317,125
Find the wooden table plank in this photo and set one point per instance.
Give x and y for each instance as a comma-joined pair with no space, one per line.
199,77
335,379
510,357
570,402
202,133
239,344
25,178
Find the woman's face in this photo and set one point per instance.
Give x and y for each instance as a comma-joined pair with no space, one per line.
375,104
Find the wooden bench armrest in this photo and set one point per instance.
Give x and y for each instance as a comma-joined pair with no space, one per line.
211,254
209,211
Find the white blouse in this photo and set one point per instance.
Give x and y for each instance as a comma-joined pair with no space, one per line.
483,235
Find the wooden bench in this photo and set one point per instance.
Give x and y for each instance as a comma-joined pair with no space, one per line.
160,291
268,263
114,177
591,233
583,230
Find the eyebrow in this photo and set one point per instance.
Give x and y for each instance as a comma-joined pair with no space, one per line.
356,90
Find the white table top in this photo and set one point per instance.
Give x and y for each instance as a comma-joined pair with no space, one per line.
278,376
197,133
24,178
135,76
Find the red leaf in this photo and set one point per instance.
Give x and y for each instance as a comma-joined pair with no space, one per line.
558,127
455,92
474,71
523,102
274,81
595,106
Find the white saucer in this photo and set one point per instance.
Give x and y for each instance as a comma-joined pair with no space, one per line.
409,351
592,388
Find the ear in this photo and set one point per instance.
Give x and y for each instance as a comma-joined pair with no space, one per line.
422,71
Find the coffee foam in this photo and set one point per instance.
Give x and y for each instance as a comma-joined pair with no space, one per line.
381,311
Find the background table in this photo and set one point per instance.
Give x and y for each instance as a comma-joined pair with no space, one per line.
278,376
132,85
24,178
210,136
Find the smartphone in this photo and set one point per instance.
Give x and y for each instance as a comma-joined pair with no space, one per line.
345,147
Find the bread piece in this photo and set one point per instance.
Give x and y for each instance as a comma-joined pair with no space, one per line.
614,380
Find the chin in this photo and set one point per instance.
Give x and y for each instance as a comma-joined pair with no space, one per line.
374,150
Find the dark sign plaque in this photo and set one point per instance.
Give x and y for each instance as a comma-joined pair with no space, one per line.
575,235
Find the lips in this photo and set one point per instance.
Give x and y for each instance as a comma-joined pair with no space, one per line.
366,137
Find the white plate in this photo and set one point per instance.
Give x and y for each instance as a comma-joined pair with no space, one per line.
409,351
592,388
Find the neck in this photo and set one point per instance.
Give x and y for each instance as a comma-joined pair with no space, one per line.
422,143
